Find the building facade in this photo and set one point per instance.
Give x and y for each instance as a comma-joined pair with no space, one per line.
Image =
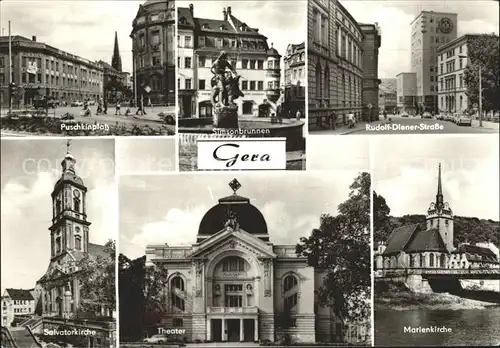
16,302
200,42
153,51
429,31
412,246
387,96
40,69
372,39
335,63
406,92
295,80
235,285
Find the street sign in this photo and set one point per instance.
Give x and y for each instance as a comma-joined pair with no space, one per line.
147,89
369,106
475,106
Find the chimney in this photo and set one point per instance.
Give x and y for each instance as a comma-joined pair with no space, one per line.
224,14
229,10
191,9
33,38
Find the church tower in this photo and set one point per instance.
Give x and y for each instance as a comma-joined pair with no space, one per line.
116,60
440,216
69,232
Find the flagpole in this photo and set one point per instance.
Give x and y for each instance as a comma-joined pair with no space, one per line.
10,71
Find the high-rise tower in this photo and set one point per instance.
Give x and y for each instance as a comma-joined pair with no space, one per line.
116,60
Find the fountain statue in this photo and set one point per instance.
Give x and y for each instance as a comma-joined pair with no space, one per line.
225,90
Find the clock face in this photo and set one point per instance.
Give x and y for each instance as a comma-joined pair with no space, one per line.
446,25
76,193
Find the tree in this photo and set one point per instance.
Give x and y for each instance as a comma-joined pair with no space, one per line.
341,247
142,297
483,51
96,274
382,225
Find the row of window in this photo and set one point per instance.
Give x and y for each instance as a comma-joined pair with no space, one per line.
296,59
36,63
58,245
21,302
452,52
245,85
76,206
250,64
350,87
21,310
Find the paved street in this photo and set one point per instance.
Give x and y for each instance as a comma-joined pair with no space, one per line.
413,125
150,119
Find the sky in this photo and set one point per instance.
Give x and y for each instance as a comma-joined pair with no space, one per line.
283,22
326,152
394,18
30,168
145,155
406,170
168,208
84,28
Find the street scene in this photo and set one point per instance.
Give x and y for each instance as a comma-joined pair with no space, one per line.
434,61
58,243
117,83
240,76
436,256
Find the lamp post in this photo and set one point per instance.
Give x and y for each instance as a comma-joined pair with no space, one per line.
480,92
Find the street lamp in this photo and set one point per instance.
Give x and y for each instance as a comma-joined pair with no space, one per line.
480,93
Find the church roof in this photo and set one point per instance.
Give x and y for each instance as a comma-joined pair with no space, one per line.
428,240
399,238
20,294
476,253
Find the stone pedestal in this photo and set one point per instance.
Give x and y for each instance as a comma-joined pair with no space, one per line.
226,117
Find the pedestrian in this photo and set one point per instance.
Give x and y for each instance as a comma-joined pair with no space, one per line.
333,120
139,108
117,111
298,115
351,120
289,115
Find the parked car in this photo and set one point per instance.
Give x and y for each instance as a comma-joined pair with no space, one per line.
156,339
404,114
67,116
76,103
463,119
440,117
427,115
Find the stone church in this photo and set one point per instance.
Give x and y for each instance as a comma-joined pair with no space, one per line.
411,246
69,240
235,285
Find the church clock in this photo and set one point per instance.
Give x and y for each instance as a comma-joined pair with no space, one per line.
445,25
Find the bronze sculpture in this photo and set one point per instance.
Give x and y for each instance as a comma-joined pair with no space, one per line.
225,83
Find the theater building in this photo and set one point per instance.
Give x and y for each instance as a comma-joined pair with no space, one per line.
153,51
235,285
201,41
40,69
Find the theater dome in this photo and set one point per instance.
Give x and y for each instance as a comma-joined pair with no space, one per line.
249,218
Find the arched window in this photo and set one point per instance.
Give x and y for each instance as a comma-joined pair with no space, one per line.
443,261
327,83
318,80
76,204
58,245
177,285
412,261
289,282
431,260
78,243
58,207
422,260
233,264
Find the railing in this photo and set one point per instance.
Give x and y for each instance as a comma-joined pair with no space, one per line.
387,273
242,310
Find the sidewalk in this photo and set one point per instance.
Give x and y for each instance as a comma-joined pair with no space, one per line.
344,130
486,124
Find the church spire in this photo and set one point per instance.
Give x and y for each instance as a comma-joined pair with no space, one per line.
68,163
439,195
116,60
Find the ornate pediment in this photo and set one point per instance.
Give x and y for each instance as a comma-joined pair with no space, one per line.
235,240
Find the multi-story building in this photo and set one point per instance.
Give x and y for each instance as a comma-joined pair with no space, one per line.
153,36
372,39
235,285
335,62
295,80
429,31
40,69
16,302
406,92
453,58
201,41
387,96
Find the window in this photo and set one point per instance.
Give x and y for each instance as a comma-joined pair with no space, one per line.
76,204
201,41
156,61
201,84
244,64
291,302
58,245
289,282
260,85
431,260
252,64
58,207
318,80
233,264
178,322
155,37
201,61
141,40
187,62
316,24
233,301
260,64
327,82
252,85
244,85
78,243
188,84
187,41
247,107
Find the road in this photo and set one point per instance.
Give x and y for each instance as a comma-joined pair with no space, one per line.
418,125
111,119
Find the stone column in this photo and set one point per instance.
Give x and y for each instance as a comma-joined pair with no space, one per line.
242,336
223,336
209,329
256,330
